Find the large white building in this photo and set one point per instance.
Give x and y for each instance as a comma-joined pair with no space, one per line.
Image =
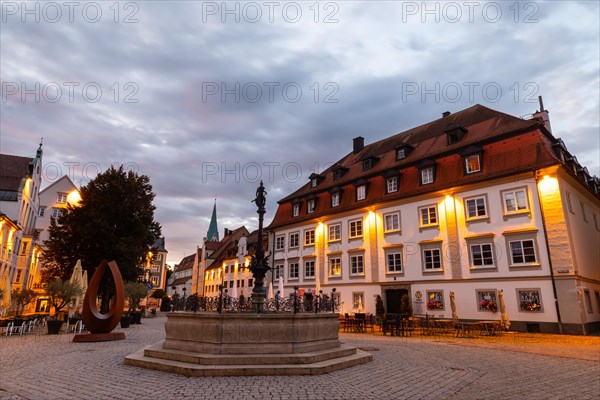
474,203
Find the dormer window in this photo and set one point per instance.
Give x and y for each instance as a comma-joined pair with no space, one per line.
361,192
295,209
338,171
402,151
369,163
391,184
310,206
337,174
427,175
472,164
315,179
335,199
454,133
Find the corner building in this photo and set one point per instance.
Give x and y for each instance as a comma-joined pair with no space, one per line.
477,202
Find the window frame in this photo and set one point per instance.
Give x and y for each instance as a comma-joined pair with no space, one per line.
361,190
295,209
294,240
291,276
527,305
56,213
311,206
330,262
41,211
401,153
337,196
468,171
429,223
394,252
357,225
337,225
309,235
472,264
481,295
436,296
356,270
514,192
385,222
477,217
279,244
312,266
62,198
396,185
523,255
433,246
422,177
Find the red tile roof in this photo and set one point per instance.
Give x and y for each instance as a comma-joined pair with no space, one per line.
13,169
510,145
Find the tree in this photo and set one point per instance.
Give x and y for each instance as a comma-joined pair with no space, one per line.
62,293
114,220
23,298
134,293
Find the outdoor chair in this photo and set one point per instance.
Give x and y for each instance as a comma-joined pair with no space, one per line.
15,326
369,323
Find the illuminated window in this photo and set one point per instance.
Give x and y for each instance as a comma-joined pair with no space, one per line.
309,237
515,201
154,280
335,266
357,266
428,216
391,185
391,222
472,164
335,232
355,228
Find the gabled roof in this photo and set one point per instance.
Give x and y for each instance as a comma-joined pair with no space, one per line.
64,177
509,144
229,242
13,169
159,245
186,263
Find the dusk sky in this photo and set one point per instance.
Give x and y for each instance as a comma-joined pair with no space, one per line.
208,98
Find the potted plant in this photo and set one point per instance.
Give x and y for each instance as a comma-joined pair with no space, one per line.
134,293
379,310
60,293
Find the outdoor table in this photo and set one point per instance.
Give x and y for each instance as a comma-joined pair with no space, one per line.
467,329
489,328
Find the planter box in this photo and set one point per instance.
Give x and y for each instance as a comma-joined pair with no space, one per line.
54,326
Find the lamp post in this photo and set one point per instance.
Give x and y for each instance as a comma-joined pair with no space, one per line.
184,290
259,265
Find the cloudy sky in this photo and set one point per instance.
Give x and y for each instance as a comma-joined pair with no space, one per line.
207,98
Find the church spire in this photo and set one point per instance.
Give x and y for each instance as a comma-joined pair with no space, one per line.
213,230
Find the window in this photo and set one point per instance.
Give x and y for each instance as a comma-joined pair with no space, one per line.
310,206
159,257
356,229
18,277
309,269
56,212
231,284
250,282
335,266
24,248
596,222
367,164
279,242
391,222
154,280
427,175
62,198
515,201
358,301
588,301
482,255
435,300
400,154
432,259
529,300
476,208
335,232
335,199
296,210
337,174
486,300
391,185
428,216
597,295
293,270
522,251
569,204
294,239
583,210
314,182
357,266
472,164
394,261
277,271
309,237
361,192
42,211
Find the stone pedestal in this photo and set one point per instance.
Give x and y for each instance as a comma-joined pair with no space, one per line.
228,344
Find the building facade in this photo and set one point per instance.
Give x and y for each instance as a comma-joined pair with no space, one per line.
477,203
20,181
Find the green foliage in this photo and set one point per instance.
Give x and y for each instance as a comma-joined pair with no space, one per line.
379,309
158,294
62,293
22,298
114,221
134,293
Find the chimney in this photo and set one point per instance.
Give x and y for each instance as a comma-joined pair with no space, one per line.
543,116
358,144
445,114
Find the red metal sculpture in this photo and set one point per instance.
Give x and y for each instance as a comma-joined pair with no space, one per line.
92,318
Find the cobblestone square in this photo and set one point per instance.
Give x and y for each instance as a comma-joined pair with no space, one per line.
514,366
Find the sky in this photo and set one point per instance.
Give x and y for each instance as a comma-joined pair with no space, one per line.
208,98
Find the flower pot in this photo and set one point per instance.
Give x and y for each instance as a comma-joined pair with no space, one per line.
125,321
54,326
136,317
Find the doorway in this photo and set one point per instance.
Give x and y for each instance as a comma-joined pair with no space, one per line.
393,297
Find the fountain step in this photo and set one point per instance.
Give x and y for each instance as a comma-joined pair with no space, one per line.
315,363
157,351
